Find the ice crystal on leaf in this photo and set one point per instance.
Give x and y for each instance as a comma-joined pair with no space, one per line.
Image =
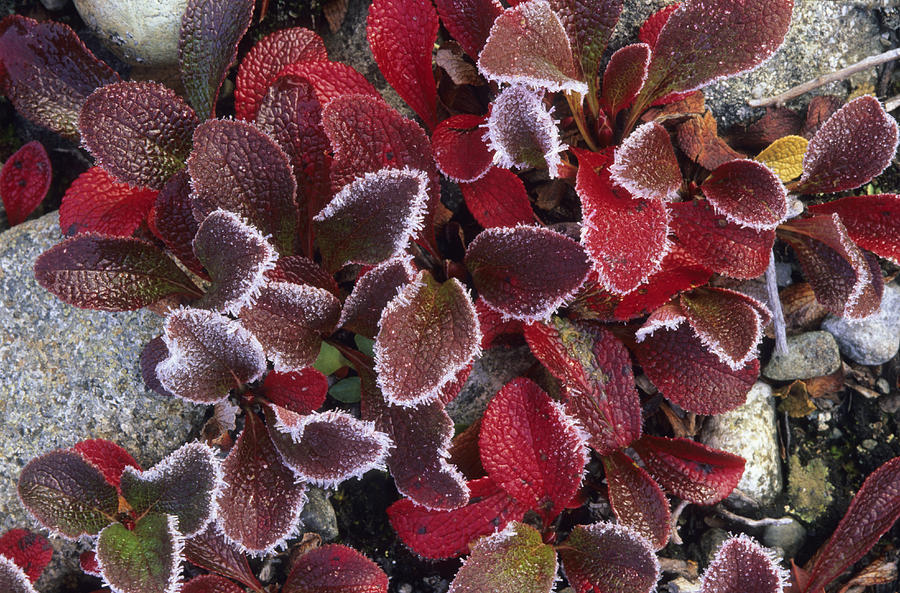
589,25
12,578
747,193
645,164
636,499
372,292
624,76
743,566
609,558
522,132
873,222
469,21
24,181
211,550
144,560
97,202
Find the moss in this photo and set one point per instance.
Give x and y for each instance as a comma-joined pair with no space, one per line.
809,491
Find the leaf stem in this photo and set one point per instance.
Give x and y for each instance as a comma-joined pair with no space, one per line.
575,105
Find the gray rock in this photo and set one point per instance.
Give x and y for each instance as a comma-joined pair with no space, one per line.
54,4
811,354
490,373
710,542
71,374
873,340
788,537
749,431
318,515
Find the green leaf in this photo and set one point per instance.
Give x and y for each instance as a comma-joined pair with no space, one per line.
346,390
329,360
365,345
146,560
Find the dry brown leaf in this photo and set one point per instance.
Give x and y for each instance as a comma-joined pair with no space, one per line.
883,570
802,311
335,11
698,138
795,400
461,71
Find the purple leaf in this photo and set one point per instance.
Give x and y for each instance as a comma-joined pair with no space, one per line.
624,76
636,499
372,293
13,579
646,164
743,566
747,193
172,220
298,269
145,560
154,352
608,558
210,550
335,568
522,132
589,25
210,583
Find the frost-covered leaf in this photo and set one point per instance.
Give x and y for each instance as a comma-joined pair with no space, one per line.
334,568
108,457
145,560
689,375
237,167
747,193
526,272
522,132
140,132
372,293
646,165
154,352
30,552
210,550
300,391
851,148
636,499
402,34
612,221
207,47
332,79
236,255
427,333
459,148
172,220
873,222
302,270
262,64
528,45
373,218
498,199
445,534
183,484
624,76
87,562
97,202
209,355
514,560
67,494
532,448
785,157
13,579
110,273
24,181
326,448
690,470
743,566
704,40
469,21
595,370
608,558
47,72
649,31
589,24
260,503
210,583
698,138
495,329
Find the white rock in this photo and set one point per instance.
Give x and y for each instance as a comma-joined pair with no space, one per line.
873,340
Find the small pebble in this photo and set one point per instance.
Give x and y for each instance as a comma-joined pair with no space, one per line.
883,386
789,537
811,354
889,405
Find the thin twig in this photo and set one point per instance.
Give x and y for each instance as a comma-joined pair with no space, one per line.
892,103
775,305
764,522
841,74
676,539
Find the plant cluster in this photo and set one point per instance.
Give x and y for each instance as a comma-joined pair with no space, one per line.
314,219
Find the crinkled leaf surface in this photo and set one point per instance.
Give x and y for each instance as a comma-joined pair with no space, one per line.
335,568
514,560
13,579
97,202
300,391
589,24
649,31
743,566
174,222
108,457
636,499
522,132
873,222
851,148
260,503
331,79
785,157
608,558
495,329
24,181
645,164
698,138
87,562
528,44
372,293
237,167
624,76
302,270
147,559
469,21
207,47
110,273
210,583
140,132
747,193
498,199
401,34
526,272
48,72
31,552
262,64
459,148
532,448
209,355
210,550
427,334
690,470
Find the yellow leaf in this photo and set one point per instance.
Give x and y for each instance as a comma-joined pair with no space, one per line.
785,157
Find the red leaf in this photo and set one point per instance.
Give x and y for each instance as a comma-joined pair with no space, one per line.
13,579
469,21
300,391
97,202
589,25
459,149
494,327
108,457
690,470
334,568
331,79
372,293
498,199
260,503
401,34
47,72
302,270
528,44
262,64
636,499
624,76
743,566
522,131
608,558
851,148
210,583
526,272
30,551
646,165
87,562
873,222
747,193
24,181
612,219
212,551
649,32
172,220
689,375
531,448
445,534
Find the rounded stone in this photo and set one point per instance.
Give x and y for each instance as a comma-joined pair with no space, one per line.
873,340
788,537
811,354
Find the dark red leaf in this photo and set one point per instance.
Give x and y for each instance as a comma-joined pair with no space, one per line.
495,329
743,566
302,270
47,72
300,391
335,568
97,202
331,79
87,562
522,131
108,457
873,222
624,76
850,149
174,223
747,193
649,31
30,551
372,293
155,351
401,34
608,558
469,21
646,164
589,25
24,181
498,199
636,499
526,272
262,64
13,579
459,148
210,583
210,550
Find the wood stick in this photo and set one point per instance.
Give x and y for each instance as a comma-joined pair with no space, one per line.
892,103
